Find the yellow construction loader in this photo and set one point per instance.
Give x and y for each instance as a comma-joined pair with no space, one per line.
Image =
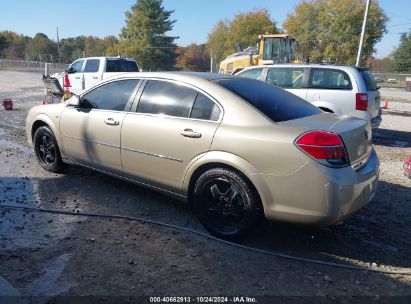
273,48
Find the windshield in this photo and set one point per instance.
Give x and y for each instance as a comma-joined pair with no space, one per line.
277,104
279,49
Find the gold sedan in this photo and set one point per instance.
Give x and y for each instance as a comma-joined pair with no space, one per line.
237,149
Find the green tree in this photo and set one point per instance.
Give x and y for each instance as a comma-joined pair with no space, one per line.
144,36
42,48
384,65
14,45
194,58
329,30
243,29
217,40
110,45
71,49
402,55
3,42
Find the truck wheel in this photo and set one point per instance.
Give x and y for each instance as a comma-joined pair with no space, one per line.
47,150
225,203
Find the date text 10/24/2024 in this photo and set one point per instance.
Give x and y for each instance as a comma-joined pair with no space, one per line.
203,299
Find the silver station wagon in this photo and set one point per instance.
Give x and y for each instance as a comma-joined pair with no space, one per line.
237,149
337,89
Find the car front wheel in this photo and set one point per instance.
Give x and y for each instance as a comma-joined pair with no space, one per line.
226,203
47,150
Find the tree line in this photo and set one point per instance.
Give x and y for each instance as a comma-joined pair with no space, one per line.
325,30
41,48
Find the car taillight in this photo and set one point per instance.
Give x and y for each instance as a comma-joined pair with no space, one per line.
361,101
325,147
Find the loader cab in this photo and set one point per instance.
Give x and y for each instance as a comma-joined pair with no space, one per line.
279,48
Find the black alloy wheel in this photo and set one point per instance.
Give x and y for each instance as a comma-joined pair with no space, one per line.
225,203
47,150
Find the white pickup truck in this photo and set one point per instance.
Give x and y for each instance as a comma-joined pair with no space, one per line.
85,72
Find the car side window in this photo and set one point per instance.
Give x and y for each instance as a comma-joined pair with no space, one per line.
92,65
167,98
132,66
121,65
111,96
287,78
252,73
76,66
204,108
330,79
111,66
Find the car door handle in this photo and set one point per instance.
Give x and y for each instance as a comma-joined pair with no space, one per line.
95,77
190,133
77,77
110,121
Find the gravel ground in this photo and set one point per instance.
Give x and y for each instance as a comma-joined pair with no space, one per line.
47,257
398,99
394,93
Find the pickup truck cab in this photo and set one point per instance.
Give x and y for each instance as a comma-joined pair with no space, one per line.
86,72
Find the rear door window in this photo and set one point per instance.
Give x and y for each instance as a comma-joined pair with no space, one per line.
111,96
252,73
329,79
369,80
204,108
166,98
287,78
131,66
121,65
275,103
111,66
92,66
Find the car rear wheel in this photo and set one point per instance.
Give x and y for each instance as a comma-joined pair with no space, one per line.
225,203
47,150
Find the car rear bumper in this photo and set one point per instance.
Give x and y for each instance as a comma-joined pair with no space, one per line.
320,195
376,121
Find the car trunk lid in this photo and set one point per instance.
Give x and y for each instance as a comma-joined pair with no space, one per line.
355,133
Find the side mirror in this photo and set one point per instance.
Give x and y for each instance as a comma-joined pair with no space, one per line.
74,101
71,71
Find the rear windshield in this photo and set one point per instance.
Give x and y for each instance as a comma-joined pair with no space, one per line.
277,104
121,65
369,80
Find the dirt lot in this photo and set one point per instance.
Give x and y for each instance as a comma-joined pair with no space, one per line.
48,257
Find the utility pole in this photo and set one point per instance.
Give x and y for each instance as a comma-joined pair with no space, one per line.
211,62
58,45
364,25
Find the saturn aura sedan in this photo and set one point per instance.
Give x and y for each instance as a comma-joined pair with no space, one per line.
238,150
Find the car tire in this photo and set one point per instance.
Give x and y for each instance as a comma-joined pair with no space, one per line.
47,150
226,203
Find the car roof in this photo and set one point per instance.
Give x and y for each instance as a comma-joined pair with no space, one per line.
106,57
308,65
182,76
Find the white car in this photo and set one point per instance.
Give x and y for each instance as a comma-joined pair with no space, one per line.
86,72
344,90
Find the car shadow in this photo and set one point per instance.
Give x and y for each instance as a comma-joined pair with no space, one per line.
378,233
391,138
